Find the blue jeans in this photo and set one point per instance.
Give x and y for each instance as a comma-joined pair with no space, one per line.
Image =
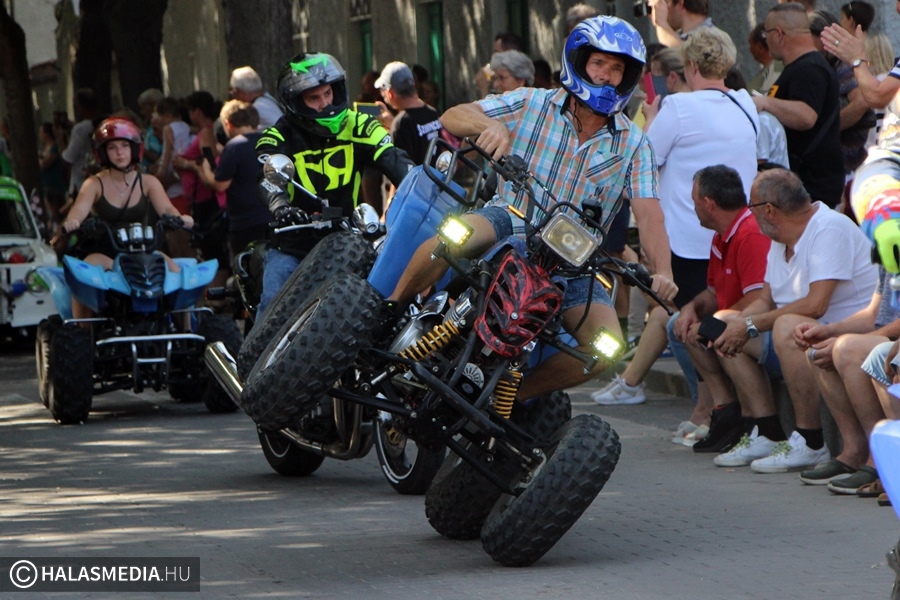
683,357
278,269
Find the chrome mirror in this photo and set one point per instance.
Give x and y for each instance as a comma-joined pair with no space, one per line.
279,170
443,162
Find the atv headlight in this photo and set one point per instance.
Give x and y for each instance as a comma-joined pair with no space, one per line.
572,242
454,232
606,346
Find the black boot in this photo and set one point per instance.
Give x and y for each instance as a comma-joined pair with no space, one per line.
725,429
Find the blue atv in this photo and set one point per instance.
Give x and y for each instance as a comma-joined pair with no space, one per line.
138,338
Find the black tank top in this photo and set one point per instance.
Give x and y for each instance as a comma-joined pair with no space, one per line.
118,216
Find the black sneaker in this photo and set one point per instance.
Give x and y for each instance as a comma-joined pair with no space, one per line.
725,430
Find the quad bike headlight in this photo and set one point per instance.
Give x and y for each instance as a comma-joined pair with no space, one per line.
606,346
454,232
572,242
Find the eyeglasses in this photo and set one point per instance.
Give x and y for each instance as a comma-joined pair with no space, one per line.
765,33
761,203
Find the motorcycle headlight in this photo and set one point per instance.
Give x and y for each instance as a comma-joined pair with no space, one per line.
572,242
454,232
606,346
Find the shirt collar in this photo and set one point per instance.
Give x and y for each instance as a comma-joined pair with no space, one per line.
617,122
744,214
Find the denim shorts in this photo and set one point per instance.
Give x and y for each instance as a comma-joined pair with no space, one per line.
767,358
577,290
874,364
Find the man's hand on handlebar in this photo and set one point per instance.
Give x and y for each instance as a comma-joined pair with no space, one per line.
664,287
286,216
494,139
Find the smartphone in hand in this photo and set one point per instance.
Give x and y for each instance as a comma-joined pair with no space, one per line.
711,328
648,87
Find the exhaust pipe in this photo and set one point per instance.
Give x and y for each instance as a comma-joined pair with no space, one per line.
223,366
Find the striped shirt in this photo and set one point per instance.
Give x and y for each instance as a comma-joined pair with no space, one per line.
617,162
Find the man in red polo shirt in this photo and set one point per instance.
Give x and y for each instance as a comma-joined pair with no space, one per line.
737,269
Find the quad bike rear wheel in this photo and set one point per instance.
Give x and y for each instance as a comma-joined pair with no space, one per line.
339,253
460,499
285,457
218,328
311,351
577,464
408,467
70,368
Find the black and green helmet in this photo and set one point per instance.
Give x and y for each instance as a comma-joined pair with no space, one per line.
307,71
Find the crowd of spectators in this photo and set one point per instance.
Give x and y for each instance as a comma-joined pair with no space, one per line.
753,181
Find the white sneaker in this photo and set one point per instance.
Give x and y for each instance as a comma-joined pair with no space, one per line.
619,392
695,436
684,428
749,448
792,455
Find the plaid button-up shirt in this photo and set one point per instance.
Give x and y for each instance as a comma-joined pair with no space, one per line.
617,162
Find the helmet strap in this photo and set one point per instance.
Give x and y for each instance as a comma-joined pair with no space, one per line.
574,113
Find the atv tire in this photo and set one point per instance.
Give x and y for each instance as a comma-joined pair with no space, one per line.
579,461
70,368
42,339
408,474
285,457
311,351
460,499
341,252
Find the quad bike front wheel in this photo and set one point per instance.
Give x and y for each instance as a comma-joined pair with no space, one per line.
311,351
408,467
285,457
460,499
339,253
42,339
578,462
70,368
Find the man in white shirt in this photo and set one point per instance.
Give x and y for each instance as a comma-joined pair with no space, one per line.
247,86
818,270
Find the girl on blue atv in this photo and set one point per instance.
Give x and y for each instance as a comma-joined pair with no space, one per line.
119,194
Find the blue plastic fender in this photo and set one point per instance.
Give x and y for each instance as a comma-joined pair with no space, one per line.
59,289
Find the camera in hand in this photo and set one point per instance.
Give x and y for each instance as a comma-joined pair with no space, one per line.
642,8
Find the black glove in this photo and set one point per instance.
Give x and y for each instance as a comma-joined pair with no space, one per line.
289,215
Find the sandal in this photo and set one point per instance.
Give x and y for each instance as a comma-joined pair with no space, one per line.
883,499
870,490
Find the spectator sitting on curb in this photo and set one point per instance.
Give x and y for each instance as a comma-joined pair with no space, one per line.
835,352
818,269
737,267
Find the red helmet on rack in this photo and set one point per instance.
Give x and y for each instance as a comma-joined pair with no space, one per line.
117,129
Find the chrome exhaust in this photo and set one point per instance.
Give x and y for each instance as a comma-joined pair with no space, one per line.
223,366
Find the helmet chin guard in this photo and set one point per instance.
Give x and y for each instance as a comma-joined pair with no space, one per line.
308,71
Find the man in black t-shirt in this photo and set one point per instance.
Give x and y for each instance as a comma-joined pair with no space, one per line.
417,123
236,174
805,99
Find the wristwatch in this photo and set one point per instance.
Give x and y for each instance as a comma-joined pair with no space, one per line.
858,62
752,331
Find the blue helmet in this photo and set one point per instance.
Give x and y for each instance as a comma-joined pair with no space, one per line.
602,34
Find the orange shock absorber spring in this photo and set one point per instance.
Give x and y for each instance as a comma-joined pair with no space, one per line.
505,393
431,342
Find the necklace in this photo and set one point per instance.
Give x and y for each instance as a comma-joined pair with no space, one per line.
123,192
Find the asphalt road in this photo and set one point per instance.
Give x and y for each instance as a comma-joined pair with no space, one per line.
147,476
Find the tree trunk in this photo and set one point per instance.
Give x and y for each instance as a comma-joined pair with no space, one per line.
93,59
258,34
17,92
136,30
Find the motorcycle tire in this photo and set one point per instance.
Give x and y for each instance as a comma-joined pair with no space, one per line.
460,499
311,351
285,457
42,339
408,473
218,328
70,368
341,252
578,462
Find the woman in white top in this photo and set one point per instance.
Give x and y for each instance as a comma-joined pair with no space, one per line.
710,125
